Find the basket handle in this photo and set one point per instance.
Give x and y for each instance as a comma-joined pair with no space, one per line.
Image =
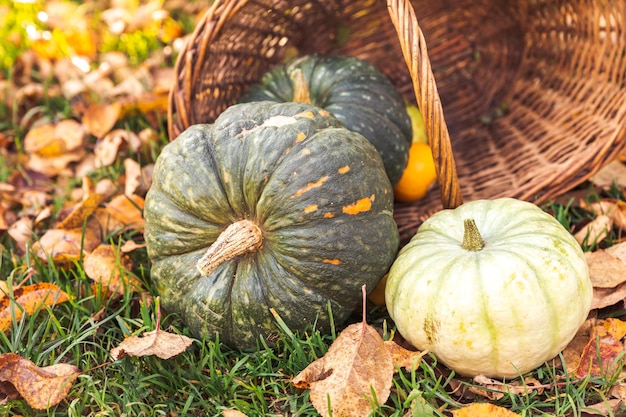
415,54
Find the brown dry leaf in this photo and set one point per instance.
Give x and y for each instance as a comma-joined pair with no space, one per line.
604,297
65,245
231,412
99,119
611,207
110,268
605,270
483,410
128,210
356,363
609,174
403,357
22,233
596,231
574,350
80,212
48,141
40,387
56,165
107,148
156,342
604,344
29,299
495,390
619,251
132,171
604,408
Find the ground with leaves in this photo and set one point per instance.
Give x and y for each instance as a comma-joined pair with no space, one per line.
82,120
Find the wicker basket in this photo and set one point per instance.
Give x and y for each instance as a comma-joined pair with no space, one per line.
534,91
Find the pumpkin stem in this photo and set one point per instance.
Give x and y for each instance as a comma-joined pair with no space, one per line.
472,240
237,239
301,92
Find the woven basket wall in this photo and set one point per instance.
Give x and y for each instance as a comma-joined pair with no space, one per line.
521,98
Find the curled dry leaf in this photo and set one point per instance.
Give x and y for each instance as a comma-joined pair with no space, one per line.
50,141
51,148
40,387
22,231
495,390
596,231
356,363
62,246
29,299
615,209
107,148
99,119
78,213
157,342
109,267
483,410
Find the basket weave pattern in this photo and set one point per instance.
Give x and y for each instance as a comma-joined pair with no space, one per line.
522,98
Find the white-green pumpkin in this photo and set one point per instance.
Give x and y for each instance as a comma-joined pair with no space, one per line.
499,302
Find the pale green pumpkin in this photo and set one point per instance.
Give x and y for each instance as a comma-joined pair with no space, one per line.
499,304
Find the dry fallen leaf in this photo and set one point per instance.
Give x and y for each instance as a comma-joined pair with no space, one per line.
99,119
342,381
62,246
231,412
603,348
29,299
495,390
483,410
596,231
156,342
619,251
78,213
109,267
611,207
40,387
612,172
605,270
403,357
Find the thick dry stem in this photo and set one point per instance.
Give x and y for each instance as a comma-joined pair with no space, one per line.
301,92
237,239
472,240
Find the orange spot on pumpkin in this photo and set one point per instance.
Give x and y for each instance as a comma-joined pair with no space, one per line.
311,185
306,114
301,136
324,113
329,215
343,170
332,261
306,152
364,204
311,208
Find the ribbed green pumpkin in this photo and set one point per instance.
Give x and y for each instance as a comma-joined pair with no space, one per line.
311,208
355,92
499,302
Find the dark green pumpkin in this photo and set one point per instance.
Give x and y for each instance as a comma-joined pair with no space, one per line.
315,192
355,92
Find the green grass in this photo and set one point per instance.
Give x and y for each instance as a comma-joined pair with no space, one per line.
209,378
